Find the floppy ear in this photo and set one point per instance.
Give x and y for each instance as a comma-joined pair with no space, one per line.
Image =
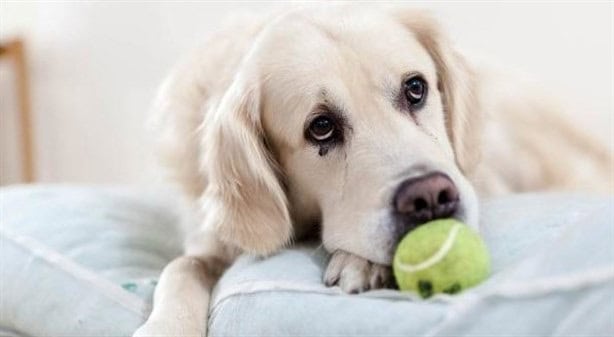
244,201
457,84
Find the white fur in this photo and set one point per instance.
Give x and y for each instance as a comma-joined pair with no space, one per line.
232,131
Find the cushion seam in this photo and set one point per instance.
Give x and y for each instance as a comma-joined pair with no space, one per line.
77,271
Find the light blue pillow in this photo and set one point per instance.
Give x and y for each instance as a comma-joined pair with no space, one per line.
553,275
79,261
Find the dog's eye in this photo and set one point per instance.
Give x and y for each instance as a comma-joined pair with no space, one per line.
321,129
415,90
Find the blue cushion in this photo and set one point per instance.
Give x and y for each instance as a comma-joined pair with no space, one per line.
553,274
83,261
80,261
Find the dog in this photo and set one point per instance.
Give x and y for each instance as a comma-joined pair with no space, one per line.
353,122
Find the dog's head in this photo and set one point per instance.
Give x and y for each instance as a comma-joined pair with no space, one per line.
356,120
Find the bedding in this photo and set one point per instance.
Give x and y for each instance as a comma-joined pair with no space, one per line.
83,261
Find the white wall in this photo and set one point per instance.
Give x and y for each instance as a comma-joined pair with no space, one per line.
95,68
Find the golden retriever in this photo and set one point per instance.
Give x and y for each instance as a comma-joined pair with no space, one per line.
357,122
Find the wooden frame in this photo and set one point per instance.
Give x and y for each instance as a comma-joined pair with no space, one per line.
14,51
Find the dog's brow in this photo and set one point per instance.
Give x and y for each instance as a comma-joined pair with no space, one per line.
331,103
323,93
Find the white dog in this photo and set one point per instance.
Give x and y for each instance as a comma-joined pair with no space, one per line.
358,122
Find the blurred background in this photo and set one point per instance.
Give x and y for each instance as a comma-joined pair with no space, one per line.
92,70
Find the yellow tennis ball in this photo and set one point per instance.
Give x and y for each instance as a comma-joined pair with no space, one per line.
441,256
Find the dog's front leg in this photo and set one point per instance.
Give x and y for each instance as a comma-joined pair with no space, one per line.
181,298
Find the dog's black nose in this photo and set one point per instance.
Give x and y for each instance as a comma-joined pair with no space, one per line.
424,198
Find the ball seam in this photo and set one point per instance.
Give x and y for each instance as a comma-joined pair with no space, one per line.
433,259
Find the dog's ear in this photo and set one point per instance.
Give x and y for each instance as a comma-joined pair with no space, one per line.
457,84
244,201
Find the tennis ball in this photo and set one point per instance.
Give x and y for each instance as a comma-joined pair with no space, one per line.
441,256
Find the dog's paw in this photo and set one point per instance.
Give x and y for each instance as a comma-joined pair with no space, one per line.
353,274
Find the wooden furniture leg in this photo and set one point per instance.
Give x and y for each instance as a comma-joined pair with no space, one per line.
15,52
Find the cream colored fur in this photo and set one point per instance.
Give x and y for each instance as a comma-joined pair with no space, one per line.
232,133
